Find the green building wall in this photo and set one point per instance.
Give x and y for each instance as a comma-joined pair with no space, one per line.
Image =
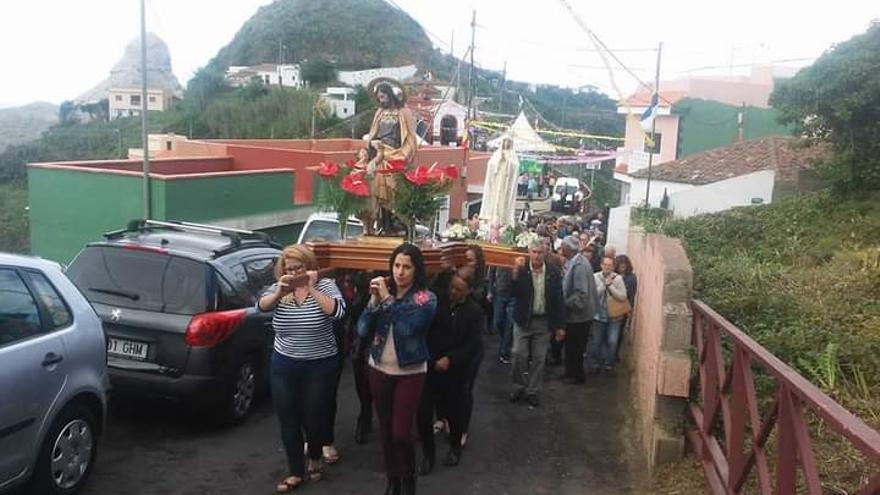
704,125
70,208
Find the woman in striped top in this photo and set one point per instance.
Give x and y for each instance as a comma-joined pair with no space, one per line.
303,369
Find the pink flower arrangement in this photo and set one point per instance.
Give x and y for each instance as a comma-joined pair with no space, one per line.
421,297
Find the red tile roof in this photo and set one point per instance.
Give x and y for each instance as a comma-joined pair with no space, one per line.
786,155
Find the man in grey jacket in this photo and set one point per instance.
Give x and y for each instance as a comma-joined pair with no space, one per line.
579,292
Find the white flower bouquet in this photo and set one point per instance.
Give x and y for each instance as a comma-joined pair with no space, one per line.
457,231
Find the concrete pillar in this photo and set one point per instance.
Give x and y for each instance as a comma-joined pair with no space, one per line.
659,341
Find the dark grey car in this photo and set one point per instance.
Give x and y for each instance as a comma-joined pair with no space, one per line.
178,305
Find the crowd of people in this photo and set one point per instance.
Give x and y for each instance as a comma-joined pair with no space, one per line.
416,343
532,185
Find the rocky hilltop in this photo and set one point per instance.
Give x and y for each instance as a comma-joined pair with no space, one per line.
352,34
127,72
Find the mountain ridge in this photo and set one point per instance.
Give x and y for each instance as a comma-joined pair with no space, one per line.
26,122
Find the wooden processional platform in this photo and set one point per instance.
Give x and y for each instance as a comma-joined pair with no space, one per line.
372,253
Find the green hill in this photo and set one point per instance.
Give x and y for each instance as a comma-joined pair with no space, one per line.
22,124
801,276
353,34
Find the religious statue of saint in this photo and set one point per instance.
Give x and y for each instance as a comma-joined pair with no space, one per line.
392,138
499,192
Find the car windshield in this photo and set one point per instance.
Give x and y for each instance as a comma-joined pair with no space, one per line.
328,230
145,280
566,189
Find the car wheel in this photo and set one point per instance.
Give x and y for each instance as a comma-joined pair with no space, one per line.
67,454
241,391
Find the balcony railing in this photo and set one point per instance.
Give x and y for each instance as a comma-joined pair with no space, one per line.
732,438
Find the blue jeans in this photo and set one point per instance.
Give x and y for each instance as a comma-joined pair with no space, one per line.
302,392
502,319
603,343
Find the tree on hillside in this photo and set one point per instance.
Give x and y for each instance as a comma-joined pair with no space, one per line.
318,71
67,113
838,99
99,110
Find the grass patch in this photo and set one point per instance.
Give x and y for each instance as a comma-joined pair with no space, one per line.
14,236
802,277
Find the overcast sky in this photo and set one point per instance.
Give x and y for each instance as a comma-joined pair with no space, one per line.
54,50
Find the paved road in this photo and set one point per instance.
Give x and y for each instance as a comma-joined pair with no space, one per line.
575,443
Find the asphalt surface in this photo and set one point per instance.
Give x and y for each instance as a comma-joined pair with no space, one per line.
580,441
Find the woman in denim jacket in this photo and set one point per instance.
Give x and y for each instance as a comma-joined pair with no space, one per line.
398,316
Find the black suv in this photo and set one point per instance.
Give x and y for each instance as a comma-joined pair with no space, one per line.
178,304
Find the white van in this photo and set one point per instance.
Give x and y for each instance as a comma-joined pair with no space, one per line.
325,226
567,194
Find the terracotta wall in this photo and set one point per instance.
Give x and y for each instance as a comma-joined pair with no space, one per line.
254,158
659,342
302,155
478,163
297,144
199,148
162,166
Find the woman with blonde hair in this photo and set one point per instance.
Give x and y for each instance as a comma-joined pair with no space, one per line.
305,357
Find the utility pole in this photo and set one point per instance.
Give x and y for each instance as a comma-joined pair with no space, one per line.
501,87
452,44
314,107
653,128
144,137
470,100
740,120
280,53
564,97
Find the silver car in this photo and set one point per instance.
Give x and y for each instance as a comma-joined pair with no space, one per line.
53,378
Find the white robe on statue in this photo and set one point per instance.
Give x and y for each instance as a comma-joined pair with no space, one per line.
499,190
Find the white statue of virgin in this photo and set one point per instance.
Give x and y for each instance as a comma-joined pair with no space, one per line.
499,190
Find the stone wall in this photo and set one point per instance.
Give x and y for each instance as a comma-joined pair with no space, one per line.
658,342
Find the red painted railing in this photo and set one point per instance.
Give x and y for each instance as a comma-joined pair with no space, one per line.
731,454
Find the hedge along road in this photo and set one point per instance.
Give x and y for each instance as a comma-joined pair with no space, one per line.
578,442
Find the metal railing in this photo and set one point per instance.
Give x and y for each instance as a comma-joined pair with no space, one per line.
731,451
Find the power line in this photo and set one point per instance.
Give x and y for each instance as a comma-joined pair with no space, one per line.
780,61
607,51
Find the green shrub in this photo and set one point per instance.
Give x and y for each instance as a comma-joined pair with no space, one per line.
802,277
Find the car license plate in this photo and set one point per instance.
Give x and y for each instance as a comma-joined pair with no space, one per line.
127,348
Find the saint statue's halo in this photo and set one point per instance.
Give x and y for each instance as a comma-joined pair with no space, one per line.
396,86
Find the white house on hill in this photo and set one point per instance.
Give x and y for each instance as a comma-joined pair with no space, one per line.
286,75
355,78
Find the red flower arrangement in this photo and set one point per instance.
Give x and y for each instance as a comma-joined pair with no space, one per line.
328,169
393,167
419,176
343,191
355,184
419,196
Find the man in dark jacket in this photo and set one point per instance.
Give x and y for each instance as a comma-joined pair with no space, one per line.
454,342
502,309
538,316
579,290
